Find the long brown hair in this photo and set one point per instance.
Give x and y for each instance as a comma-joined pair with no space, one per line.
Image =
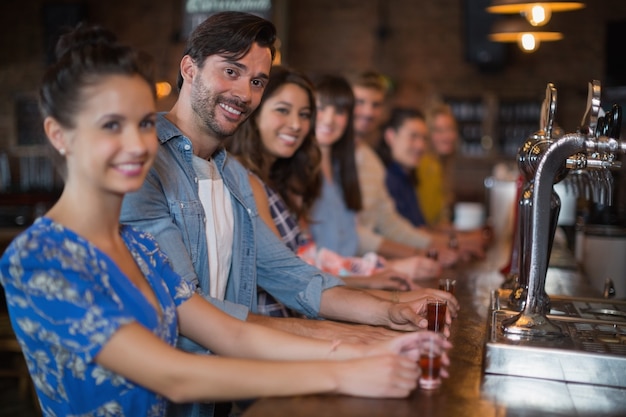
334,90
296,179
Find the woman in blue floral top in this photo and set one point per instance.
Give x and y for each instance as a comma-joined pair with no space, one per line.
96,306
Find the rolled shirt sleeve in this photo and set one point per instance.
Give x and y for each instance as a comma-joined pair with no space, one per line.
286,277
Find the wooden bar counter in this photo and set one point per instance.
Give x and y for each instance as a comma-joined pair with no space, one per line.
468,392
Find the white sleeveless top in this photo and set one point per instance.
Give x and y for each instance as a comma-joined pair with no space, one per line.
218,211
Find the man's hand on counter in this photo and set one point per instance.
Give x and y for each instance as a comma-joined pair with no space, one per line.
423,293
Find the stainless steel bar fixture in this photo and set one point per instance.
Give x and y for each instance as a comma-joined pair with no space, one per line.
588,149
566,339
528,157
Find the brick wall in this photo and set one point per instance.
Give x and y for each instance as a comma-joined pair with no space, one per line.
421,47
424,51
151,25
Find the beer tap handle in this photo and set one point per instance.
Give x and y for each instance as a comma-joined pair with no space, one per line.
614,122
590,118
602,127
548,111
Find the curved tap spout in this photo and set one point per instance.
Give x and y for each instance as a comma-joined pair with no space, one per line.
532,320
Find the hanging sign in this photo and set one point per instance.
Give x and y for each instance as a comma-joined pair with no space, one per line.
196,11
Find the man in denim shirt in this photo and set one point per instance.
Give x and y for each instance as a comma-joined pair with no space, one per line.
222,77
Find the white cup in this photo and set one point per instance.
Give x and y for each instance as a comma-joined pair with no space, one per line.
502,201
469,216
603,250
567,213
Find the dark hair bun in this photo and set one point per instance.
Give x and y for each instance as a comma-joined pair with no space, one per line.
84,56
83,36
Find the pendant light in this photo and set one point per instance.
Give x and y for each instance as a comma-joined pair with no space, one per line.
517,29
537,13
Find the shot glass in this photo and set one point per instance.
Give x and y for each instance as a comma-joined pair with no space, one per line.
447,285
430,365
436,314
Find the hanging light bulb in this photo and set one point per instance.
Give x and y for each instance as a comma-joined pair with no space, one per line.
528,43
538,14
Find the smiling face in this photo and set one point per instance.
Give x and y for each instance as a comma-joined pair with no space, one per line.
224,92
408,142
284,121
444,134
113,141
368,110
331,123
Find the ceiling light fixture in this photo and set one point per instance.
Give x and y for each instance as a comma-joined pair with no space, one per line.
517,29
537,13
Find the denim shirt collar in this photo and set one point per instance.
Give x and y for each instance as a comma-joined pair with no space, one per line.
169,131
166,129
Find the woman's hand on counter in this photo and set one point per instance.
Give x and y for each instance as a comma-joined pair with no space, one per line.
407,344
383,376
390,368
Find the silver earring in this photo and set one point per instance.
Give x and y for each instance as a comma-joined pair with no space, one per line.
62,151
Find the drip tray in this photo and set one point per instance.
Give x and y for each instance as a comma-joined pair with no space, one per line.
592,350
585,309
589,309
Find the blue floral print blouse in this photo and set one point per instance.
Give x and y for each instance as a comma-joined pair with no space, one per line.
66,299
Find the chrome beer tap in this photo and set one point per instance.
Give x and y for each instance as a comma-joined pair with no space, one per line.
528,158
589,149
596,184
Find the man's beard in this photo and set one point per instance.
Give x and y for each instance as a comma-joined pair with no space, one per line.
204,104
